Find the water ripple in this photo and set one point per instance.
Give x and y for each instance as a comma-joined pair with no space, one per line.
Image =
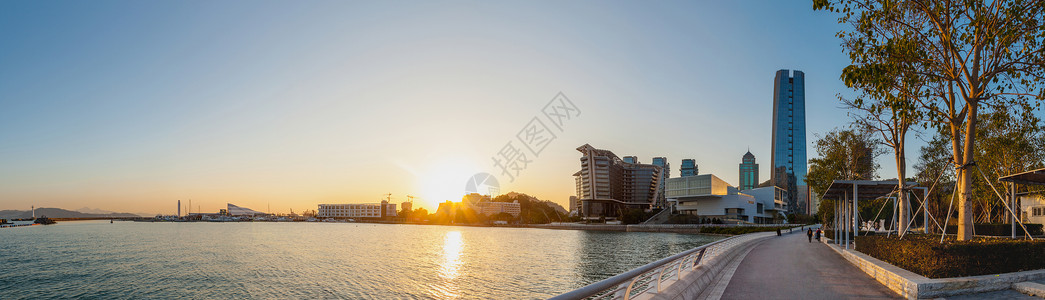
126,260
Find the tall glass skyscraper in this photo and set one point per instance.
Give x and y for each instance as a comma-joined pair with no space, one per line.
789,139
748,172
689,168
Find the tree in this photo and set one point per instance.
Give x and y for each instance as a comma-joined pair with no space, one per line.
843,155
1012,141
933,170
967,53
888,95
533,210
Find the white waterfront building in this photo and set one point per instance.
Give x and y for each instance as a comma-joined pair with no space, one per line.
709,196
485,205
493,208
1033,208
357,210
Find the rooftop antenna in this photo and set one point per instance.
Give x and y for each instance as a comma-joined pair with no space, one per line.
409,198
389,197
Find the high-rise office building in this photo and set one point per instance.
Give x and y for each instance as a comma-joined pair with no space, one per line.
606,185
748,172
689,168
665,173
631,159
789,139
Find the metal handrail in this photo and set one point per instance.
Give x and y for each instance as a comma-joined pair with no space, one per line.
614,283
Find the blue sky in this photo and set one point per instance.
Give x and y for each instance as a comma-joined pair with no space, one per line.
133,105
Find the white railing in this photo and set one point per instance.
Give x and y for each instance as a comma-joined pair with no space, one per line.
651,277
656,276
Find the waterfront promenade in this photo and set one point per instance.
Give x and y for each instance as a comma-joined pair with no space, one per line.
789,267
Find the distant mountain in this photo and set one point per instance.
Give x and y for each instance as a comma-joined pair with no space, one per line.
88,210
58,213
556,206
95,211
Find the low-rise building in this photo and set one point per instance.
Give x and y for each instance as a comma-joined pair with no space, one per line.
493,208
357,210
1033,208
709,196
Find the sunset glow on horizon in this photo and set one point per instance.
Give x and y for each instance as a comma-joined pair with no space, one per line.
286,105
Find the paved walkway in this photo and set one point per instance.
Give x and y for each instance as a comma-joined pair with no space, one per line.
789,267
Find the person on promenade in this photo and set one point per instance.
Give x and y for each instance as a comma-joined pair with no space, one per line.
818,234
810,235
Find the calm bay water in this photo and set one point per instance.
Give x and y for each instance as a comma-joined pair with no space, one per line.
95,259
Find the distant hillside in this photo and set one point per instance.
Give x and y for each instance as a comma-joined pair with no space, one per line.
549,203
57,213
88,210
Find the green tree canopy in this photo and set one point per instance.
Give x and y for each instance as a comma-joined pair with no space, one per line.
962,54
843,155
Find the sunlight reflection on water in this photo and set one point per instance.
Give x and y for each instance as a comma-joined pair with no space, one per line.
129,260
451,266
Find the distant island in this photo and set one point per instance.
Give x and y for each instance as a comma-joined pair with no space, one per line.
61,213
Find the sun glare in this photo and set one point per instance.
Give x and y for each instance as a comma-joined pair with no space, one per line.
445,180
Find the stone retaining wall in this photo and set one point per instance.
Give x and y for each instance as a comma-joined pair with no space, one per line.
914,286
674,228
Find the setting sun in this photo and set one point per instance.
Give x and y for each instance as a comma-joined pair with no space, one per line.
444,180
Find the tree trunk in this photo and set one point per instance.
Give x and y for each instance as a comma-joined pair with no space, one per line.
965,212
904,204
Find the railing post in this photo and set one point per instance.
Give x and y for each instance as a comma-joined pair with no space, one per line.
678,275
660,277
699,257
627,292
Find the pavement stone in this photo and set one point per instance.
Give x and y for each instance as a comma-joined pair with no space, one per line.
790,267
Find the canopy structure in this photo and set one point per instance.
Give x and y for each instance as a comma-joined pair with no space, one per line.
234,210
868,189
848,193
1036,177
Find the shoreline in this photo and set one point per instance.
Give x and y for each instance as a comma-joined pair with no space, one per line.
666,228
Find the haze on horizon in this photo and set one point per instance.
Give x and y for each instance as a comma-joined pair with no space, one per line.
130,106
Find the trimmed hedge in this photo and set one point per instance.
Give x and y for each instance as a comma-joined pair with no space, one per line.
742,229
831,233
923,254
999,229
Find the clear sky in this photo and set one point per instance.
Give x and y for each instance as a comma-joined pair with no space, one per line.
132,105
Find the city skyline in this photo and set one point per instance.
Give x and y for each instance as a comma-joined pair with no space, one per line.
295,105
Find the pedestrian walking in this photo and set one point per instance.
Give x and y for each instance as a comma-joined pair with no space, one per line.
818,234
810,235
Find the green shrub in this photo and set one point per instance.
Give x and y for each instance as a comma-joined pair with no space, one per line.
925,255
999,229
831,234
